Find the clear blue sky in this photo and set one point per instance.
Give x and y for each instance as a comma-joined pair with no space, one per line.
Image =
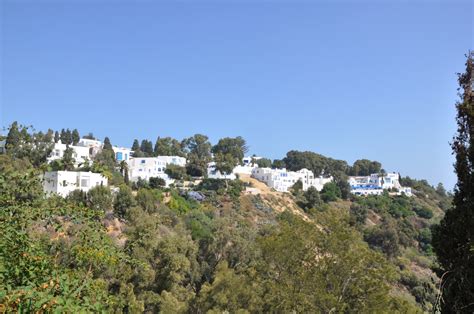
349,80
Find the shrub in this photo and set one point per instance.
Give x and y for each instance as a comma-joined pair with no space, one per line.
423,212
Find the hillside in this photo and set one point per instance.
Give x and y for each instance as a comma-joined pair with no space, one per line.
205,245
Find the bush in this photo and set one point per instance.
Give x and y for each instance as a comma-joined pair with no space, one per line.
123,201
148,199
330,192
423,212
176,172
100,198
156,183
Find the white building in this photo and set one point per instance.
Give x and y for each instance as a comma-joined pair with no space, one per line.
250,160
122,153
246,169
173,160
376,183
89,143
282,180
147,167
80,153
94,146
213,173
2,146
64,182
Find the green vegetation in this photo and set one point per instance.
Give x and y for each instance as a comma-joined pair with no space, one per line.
453,239
145,248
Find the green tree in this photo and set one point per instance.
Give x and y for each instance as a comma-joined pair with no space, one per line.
175,172
229,293
100,198
157,182
107,144
13,136
308,270
264,163
124,200
198,149
147,148
440,189
56,137
168,146
68,161
148,200
23,142
278,164
312,198
330,192
319,164
135,145
234,147
20,182
365,167
453,238
75,137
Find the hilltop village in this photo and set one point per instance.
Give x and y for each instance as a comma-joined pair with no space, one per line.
138,169
199,215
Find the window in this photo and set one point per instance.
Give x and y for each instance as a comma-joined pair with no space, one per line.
143,161
85,183
118,156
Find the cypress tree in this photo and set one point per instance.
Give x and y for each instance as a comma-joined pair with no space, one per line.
75,137
13,137
107,144
63,136
56,136
453,238
136,145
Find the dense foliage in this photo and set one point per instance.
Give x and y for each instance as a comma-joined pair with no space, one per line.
145,248
453,239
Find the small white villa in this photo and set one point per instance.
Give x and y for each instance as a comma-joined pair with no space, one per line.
122,153
64,182
282,180
145,168
80,153
375,184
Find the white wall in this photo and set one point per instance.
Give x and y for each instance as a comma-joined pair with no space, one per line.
64,182
122,153
80,153
145,168
213,173
282,180
173,160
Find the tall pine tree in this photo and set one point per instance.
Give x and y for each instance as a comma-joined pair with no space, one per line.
453,238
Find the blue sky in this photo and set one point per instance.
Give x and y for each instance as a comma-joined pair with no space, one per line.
348,80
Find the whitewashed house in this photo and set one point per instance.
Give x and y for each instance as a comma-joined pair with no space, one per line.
147,167
95,146
213,173
250,160
173,160
282,180
64,182
376,183
80,153
122,153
